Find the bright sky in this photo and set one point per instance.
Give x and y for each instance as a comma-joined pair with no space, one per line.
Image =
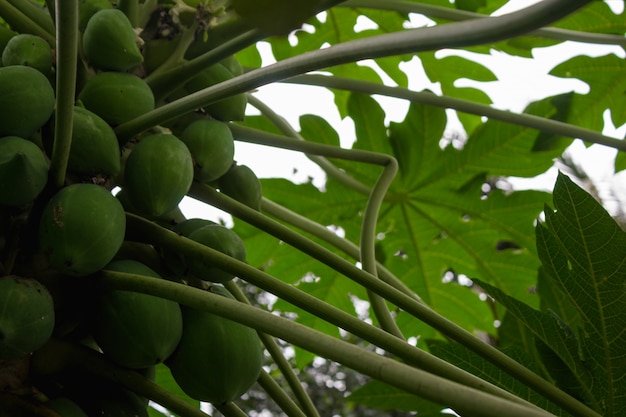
520,81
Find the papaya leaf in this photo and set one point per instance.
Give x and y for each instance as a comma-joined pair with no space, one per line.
583,250
465,359
164,379
379,395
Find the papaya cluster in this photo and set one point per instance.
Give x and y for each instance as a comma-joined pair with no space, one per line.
56,239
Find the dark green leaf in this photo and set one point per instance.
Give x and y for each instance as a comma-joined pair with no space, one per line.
385,397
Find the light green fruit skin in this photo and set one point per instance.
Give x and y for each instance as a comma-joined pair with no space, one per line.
242,184
87,8
109,41
94,148
158,173
6,35
117,97
229,109
65,407
222,239
26,101
26,316
136,330
82,228
217,359
23,171
28,50
212,147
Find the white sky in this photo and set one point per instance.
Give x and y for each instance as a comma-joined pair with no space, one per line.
520,81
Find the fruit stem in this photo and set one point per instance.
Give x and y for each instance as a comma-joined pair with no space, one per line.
67,61
130,9
411,41
36,13
279,359
280,397
23,23
466,401
144,230
528,120
230,409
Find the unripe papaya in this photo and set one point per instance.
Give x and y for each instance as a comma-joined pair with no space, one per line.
109,42
217,359
26,316
94,148
117,97
174,260
229,109
81,229
87,8
29,50
136,330
222,239
5,36
158,173
23,171
242,184
212,147
26,101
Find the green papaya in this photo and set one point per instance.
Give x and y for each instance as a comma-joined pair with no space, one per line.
5,36
232,65
158,173
212,147
26,316
136,330
26,101
242,184
229,109
87,8
23,171
65,407
94,148
174,260
109,42
217,359
81,229
117,97
222,239
188,226
29,50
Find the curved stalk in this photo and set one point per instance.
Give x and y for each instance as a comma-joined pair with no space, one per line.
522,119
280,397
67,53
451,35
230,409
368,230
74,356
23,23
37,14
279,359
467,401
449,13
144,230
330,169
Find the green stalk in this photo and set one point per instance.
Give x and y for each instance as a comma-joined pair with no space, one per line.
280,397
22,23
67,53
391,294
466,401
331,170
130,9
457,15
230,409
279,359
368,232
74,356
459,34
36,13
528,120
144,230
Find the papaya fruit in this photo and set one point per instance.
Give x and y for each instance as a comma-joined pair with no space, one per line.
232,65
173,260
212,147
229,109
242,184
222,239
94,148
87,8
26,316
158,173
109,42
136,330
26,101
81,229
217,359
23,171
5,36
117,97
29,50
